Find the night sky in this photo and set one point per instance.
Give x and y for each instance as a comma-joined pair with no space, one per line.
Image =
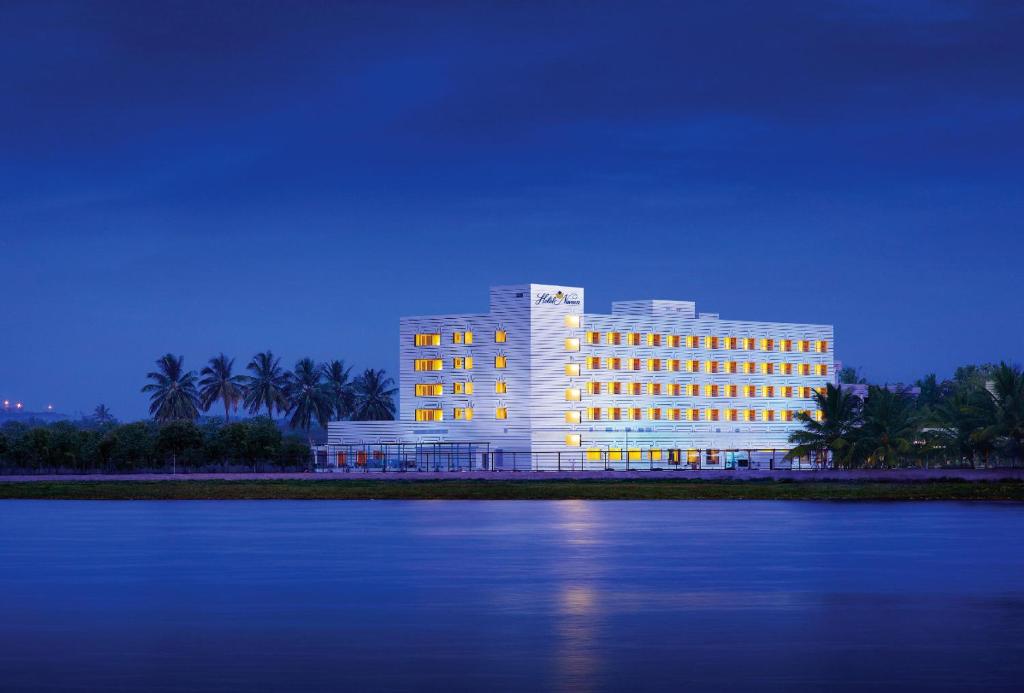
216,176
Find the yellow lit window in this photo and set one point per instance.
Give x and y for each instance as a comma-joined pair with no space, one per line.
572,369
614,454
693,366
614,338
593,455
573,440
675,389
692,341
711,342
593,337
469,363
500,387
572,417
804,369
615,413
674,340
463,413
821,346
594,363
711,366
615,363
500,336
468,337
654,364
593,413
767,344
786,368
731,414
572,394
429,415
731,390
500,362
462,362
786,391
458,388
711,414
821,369
693,390
768,415
654,454
593,388
786,415
749,367
819,415
634,413
572,344
469,387
456,337
501,413
429,389
634,454
653,339
427,339
675,414
731,366
767,391
572,321
731,342
747,343
711,391
462,337
750,415
804,392
767,368
615,388
693,414
749,390
786,345
654,388
633,339
634,388
427,364
672,365
803,345
633,364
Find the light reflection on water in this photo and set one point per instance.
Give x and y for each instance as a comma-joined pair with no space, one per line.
568,595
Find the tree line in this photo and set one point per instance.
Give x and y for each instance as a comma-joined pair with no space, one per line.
308,393
975,417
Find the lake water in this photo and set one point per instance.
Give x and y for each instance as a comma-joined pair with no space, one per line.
564,595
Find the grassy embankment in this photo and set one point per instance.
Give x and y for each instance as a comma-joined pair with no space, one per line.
627,489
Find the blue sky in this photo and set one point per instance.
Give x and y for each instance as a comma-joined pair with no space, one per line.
206,177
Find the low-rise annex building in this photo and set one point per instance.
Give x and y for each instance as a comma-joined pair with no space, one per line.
536,378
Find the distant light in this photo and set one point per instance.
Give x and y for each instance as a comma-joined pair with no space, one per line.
49,407
7,403
18,405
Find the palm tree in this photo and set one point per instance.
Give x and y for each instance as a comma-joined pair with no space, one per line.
174,396
339,388
1007,395
840,414
307,396
267,386
957,423
219,383
890,430
374,396
101,415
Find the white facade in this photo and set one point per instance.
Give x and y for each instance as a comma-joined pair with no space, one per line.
651,382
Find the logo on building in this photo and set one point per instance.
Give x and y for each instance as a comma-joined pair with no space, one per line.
558,298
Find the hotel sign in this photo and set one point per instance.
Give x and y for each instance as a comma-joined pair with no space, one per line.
557,299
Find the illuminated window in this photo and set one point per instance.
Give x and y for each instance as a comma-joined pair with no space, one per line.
732,414
572,440
711,366
693,414
749,390
767,344
634,454
654,414
747,343
804,392
749,367
786,391
819,415
767,391
429,415
711,342
731,342
572,344
427,364
633,364
458,388
615,363
500,336
693,390
463,413
593,388
501,413
593,413
786,345
692,341
767,368
462,337
457,337
593,455
786,368
572,417
731,390
711,414
572,369
672,365
593,337
634,388
594,363
786,415
674,340
462,363
821,369
675,389
804,369
572,321
634,413
500,387
768,415
429,389
821,346
750,415
614,454
615,413
653,339
572,394
674,414
633,339
711,391
654,364
654,389
731,366
469,387
803,345
614,338
499,362
427,339
693,366
615,388
654,454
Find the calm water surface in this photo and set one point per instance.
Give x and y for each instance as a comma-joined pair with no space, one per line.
568,595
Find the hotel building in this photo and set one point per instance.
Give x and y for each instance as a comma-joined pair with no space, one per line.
653,383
